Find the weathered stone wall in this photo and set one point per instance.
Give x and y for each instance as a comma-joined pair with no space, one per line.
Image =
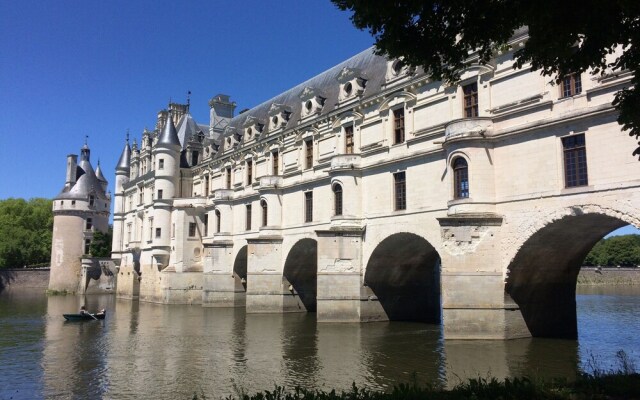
609,276
12,279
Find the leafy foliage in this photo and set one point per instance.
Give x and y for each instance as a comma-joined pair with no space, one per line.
101,244
565,37
25,232
617,250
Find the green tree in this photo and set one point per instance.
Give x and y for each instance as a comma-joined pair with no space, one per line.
621,250
565,37
101,244
25,232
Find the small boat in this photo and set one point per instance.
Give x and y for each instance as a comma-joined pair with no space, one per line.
83,317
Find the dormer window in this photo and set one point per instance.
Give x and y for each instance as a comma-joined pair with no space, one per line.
312,102
278,116
252,128
92,200
351,83
398,69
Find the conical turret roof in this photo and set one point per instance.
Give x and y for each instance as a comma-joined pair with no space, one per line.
99,174
169,135
125,158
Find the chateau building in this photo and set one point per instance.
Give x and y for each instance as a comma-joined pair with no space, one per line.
81,208
372,192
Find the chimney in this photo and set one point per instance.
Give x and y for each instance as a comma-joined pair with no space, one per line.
72,166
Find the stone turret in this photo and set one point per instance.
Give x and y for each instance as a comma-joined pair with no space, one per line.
122,177
167,172
81,208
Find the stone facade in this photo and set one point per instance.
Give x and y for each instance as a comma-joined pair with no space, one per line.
371,192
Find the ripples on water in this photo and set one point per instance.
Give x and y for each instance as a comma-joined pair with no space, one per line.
154,351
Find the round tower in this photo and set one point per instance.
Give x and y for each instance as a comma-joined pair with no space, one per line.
167,174
81,208
122,177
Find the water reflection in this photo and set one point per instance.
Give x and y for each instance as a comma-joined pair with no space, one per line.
154,351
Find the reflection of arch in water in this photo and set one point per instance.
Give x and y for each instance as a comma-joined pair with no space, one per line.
403,272
301,273
543,273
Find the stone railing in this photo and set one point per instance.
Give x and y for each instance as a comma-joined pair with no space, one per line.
468,128
222,194
345,161
270,182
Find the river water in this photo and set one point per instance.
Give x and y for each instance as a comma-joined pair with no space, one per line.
171,352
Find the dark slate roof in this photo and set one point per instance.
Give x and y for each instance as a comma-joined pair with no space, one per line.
187,128
86,183
169,135
371,67
99,174
125,159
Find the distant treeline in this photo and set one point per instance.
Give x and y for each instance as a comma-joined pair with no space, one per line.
25,232
615,251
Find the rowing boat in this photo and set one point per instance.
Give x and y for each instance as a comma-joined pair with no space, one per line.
83,317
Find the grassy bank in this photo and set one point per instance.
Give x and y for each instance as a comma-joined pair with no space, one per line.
611,386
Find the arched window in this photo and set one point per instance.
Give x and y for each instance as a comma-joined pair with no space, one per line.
263,205
460,178
337,199
218,221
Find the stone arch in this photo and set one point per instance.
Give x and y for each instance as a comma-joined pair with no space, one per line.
403,275
542,274
300,274
240,269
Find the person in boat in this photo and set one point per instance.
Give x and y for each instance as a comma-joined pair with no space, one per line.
101,312
83,311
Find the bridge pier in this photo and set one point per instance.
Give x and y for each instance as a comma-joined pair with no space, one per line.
266,288
474,303
339,296
220,286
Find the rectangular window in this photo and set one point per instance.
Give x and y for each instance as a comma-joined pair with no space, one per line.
73,203
228,173
173,230
400,190
161,163
206,185
348,139
470,100
575,161
91,201
571,85
87,245
398,125
218,221
150,228
140,196
192,229
158,232
248,218
128,232
275,158
194,157
89,224
249,172
206,224
308,206
159,194
308,149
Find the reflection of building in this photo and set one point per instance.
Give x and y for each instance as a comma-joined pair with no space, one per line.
372,192
81,208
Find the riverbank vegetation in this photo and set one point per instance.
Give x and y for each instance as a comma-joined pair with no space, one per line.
611,386
25,232
615,251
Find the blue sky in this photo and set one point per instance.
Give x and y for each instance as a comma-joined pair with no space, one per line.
97,68
75,68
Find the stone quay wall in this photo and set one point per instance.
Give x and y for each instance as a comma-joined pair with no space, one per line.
24,278
609,276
